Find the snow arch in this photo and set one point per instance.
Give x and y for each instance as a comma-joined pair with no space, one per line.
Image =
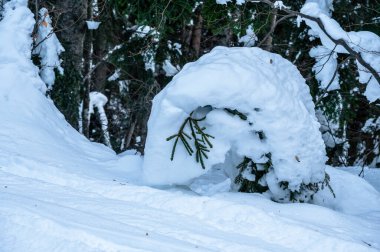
273,97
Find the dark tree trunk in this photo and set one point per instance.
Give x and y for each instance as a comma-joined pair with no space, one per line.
70,16
69,21
87,48
197,34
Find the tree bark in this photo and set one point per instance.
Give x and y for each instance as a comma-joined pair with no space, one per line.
197,34
87,49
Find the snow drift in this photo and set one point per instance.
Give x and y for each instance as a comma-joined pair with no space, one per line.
39,123
274,99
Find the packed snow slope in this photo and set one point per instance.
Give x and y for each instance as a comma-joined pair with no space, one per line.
59,192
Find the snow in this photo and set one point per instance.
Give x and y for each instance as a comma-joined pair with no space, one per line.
325,67
327,129
238,2
149,53
169,69
250,38
48,49
38,215
61,192
249,80
372,175
115,75
92,25
98,101
280,5
15,46
364,42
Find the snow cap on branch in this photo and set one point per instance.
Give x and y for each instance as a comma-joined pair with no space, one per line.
48,49
363,43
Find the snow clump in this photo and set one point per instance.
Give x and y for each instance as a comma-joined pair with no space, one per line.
256,106
48,49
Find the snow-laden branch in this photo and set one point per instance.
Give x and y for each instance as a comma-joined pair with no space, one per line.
48,48
332,35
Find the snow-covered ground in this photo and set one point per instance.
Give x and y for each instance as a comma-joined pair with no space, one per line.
60,192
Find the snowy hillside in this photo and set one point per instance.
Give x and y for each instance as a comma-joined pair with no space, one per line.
60,192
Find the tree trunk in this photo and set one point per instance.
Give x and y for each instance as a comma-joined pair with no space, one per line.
70,16
87,49
268,43
197,34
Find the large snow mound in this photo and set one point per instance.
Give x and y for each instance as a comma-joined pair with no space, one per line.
265,87
42,134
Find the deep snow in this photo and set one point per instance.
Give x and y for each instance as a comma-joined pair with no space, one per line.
60,192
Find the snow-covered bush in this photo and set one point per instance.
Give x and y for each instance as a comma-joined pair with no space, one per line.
245,111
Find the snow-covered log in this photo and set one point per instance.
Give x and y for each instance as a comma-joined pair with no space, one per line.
278,121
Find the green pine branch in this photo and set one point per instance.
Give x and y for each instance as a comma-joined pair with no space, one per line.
201,140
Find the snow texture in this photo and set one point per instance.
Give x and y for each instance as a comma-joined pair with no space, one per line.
250,38
60,192
169,69
262,85
280,5
15,47
92,25
48,49
238,2
98,101
325,67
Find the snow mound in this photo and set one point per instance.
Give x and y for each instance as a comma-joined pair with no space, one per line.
36,141
350,193
266,89
15,47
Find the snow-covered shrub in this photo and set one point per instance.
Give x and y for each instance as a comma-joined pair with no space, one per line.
245,111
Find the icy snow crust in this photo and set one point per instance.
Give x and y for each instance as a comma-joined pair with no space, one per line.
59,192
262,85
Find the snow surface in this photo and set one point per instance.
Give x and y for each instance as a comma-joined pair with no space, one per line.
262,85
372,175
60,192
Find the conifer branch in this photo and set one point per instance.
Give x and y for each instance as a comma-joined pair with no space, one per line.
201,141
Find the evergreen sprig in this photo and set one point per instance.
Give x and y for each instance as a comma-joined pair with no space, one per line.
242,116
252,167
201,141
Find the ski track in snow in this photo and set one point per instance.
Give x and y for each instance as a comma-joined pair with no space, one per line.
104,216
